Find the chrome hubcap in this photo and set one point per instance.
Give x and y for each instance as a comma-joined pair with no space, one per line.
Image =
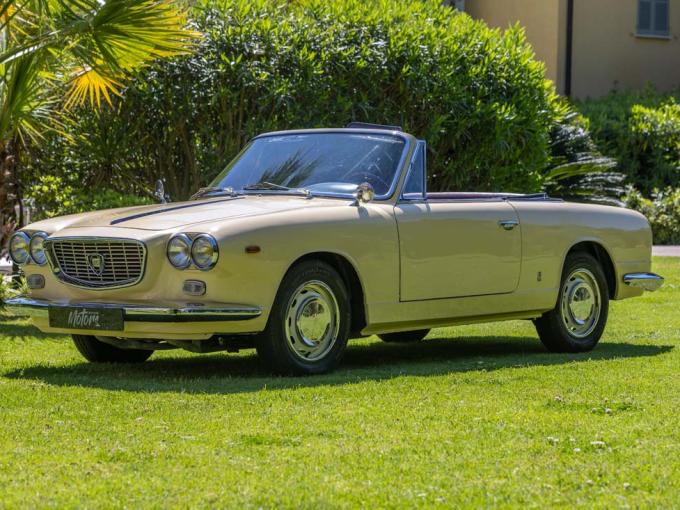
580,303
312,321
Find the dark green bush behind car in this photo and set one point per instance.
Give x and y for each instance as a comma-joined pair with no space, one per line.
476,94
641,129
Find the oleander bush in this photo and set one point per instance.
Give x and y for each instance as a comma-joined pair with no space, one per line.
642,131
662,211
475,93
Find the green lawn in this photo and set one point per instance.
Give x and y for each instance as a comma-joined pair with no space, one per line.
474,416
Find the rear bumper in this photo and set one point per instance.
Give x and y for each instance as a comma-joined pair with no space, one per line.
645,281
39,309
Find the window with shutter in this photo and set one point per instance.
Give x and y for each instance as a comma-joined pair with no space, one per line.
653,18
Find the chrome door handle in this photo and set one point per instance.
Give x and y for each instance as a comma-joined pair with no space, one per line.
508,224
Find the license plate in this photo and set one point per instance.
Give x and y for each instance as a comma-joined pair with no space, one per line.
109,319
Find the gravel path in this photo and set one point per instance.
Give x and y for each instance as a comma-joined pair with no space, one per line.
666,251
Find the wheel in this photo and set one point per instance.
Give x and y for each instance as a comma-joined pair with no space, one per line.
577,322
309,324
404,336
99,352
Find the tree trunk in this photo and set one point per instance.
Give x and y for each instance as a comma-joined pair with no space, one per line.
9,194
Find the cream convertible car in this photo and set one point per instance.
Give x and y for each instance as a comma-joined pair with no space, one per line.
311,237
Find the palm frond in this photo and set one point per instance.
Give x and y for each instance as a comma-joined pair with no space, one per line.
96,43
26,99
129,33
90,84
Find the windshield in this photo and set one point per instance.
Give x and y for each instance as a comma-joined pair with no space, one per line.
317,162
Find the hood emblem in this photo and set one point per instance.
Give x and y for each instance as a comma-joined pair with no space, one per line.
96,263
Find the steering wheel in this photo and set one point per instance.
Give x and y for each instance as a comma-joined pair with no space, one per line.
371,173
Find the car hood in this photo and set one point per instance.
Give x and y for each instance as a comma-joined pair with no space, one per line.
183,214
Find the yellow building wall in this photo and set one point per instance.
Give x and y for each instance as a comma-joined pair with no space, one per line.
607,54
544,24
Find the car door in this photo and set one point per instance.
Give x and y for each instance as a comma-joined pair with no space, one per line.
452,248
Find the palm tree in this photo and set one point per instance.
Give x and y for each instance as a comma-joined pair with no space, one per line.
55,54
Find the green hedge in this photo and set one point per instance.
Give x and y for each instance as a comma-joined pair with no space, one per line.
476,94
662,211
53,195
642,131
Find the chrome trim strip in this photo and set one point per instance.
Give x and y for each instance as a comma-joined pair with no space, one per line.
68,280
645,281
423,198
38,308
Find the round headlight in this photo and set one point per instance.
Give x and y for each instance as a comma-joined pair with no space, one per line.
37,249
204,251
19,248
179,251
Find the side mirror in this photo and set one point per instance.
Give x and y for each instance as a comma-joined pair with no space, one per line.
159,194
364,193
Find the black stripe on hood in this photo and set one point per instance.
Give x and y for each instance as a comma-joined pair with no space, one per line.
169,209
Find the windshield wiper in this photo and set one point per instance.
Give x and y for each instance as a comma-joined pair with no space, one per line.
208,190
270,186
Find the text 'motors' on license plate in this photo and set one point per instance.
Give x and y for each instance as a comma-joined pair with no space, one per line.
109,319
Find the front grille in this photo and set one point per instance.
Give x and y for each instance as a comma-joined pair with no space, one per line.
97,263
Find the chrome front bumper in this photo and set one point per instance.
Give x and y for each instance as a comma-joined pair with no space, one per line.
644,281
36,308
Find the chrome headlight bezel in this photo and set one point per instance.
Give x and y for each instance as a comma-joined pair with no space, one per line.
35,252
20,237
210,257
179,240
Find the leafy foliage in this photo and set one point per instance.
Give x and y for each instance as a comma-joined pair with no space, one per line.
12,287
61,53
662,211
88,43
578,171
642,131
52,196
476,94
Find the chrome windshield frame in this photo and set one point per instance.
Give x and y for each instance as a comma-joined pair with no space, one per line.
409,171
408,144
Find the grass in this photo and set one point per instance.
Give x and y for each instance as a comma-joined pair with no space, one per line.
474,416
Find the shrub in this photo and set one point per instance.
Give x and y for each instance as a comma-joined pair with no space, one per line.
10,288
53,196
642,131
476,94
578,171
4,291
655,137
663,213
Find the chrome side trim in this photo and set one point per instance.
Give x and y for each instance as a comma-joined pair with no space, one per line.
645,281
38,308
420,145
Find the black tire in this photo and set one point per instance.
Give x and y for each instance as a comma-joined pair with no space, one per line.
404,336
96,351
560,329
280,345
